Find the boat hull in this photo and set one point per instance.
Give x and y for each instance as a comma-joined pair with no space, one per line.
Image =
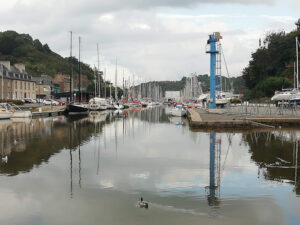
22,114
178,112
5,115
118,107
73,109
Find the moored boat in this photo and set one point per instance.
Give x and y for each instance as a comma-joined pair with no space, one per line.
73,109
5,113
98,104
118,106
178,110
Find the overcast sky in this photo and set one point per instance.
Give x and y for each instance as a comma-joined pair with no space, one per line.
153,39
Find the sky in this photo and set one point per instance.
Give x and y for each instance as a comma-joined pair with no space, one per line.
151,39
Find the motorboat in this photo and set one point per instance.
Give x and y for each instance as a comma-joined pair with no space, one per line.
97,104
18,112
147,102
5,112
118,106
134,104
178,110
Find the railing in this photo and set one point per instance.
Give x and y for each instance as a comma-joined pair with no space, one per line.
263,110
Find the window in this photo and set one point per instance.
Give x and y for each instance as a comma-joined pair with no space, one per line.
16,84
24,85
21,85
32,86
8,83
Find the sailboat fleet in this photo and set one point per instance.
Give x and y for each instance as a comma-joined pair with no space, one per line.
290,95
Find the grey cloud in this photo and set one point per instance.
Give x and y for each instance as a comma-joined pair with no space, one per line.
155,53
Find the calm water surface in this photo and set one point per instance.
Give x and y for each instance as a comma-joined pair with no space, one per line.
93,170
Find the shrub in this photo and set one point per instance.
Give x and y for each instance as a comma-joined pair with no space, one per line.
16,102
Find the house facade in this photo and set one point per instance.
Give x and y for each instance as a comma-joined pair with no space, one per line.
15,83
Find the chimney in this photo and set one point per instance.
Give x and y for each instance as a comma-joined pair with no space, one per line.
20,67
6,64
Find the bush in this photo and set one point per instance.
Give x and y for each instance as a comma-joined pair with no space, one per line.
235,101
16,102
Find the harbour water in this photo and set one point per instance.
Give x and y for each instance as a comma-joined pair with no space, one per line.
94,170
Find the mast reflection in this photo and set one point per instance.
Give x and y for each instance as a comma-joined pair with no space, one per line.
213,190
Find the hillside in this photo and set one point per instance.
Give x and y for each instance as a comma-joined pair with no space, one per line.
38,58
272,65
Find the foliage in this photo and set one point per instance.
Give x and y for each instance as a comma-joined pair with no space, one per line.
38,58
235,100
266,88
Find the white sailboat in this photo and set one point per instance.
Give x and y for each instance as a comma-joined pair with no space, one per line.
296,98
290,95
98,104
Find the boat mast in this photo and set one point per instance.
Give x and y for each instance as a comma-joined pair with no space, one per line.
116,81
104,83
295,74
123,85
71,69
99,75
297,62
110,96
79,72
95,81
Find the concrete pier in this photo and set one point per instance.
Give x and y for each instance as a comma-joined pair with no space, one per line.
220,118
46,111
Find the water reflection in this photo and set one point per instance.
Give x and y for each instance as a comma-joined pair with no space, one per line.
98,167
276,154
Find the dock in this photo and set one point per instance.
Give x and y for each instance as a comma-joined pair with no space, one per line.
47,111
224,119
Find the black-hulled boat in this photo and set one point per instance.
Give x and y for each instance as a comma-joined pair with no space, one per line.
73,109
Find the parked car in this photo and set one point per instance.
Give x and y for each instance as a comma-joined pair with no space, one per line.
29,100
50,102
60,101
47,101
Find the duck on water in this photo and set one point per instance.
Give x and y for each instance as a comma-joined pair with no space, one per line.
143,204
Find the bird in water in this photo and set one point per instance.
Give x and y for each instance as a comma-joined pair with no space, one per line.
5,159
143,204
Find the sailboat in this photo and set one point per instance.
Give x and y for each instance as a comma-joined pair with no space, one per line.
98,103
296,97
290,95
77,108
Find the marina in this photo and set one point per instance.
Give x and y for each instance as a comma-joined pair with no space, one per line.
149,112
104,163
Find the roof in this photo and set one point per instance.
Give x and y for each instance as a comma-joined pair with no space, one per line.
15,74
